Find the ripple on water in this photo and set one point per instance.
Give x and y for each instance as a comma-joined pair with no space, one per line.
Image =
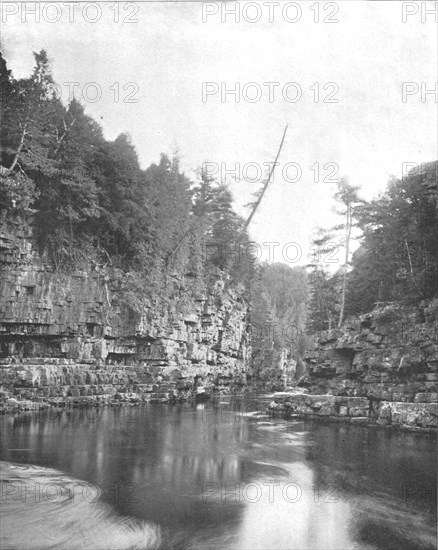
44,508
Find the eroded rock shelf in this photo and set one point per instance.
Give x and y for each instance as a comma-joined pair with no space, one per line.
380,368
69,338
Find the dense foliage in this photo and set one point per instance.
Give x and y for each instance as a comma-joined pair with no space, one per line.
397,260
90,200
397,257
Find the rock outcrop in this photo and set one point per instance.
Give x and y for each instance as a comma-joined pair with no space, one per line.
71,337
380,368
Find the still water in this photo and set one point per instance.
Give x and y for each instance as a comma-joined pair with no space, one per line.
213,475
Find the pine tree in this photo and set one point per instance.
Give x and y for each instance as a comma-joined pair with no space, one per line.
397,260
347,197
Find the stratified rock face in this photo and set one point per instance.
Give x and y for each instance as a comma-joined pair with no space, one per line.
70,335
381,367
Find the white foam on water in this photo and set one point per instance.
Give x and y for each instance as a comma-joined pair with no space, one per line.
44,508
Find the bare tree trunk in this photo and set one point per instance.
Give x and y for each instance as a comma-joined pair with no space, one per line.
259,200
61,139
70,226
17,152
347,253
411,269
410,259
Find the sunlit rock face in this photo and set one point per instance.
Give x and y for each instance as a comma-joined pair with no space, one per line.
72,337
381,367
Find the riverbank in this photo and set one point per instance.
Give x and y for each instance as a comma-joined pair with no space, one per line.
358,411
421,417
162,394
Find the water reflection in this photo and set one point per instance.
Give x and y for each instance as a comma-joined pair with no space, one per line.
222,476
293,514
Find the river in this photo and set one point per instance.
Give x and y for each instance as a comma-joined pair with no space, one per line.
211,476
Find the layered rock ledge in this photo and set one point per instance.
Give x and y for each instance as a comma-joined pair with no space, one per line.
357,410
71,338
380,368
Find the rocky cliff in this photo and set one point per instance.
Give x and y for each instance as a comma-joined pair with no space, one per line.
379,368
72,337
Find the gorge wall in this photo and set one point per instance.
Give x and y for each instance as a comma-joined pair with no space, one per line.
71,338
380,368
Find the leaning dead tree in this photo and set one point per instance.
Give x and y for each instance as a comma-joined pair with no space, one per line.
255,205
268,180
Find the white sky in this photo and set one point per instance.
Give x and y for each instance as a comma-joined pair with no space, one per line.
170,52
